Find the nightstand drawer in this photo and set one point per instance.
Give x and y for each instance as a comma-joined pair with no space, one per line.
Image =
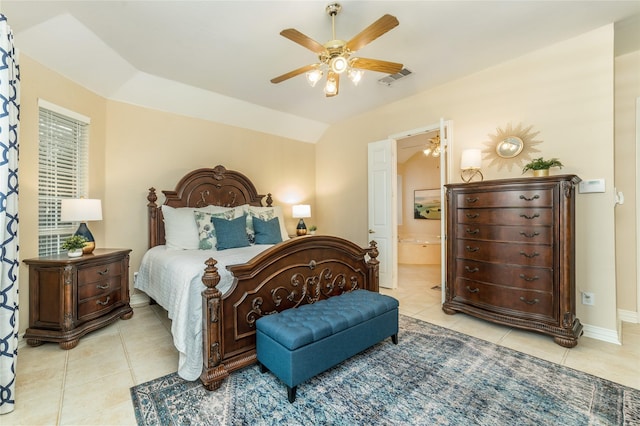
97,304
98,288
100,272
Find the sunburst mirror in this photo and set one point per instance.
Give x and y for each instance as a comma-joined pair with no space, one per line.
511,146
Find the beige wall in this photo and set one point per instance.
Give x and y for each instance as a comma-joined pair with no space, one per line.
565,91
627,90
133,149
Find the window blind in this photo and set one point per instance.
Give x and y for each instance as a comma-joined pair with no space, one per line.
63,160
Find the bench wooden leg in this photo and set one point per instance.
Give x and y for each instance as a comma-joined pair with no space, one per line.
291,393
394,339
263,369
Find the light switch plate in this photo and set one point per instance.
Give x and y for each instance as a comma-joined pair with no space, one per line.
591,185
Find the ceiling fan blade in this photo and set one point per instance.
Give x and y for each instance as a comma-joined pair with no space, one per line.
303,40
376,65
372,32
337,79
293,73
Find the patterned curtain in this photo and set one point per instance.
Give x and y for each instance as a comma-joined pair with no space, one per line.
9,118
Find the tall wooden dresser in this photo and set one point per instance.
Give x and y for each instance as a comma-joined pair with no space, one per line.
510,254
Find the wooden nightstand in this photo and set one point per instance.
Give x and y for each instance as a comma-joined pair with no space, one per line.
70,297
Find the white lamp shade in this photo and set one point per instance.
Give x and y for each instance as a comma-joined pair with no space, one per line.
471,159
301,210
80,210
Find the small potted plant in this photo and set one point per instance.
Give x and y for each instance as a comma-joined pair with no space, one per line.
74,245
313,229
541,167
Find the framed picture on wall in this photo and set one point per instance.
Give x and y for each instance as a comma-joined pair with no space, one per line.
426,204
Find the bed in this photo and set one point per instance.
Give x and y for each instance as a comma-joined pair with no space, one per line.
214,297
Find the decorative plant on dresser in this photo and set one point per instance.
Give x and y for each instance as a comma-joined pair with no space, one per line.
511,254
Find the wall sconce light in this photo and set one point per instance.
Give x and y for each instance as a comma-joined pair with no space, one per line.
301,211
470,165
82,210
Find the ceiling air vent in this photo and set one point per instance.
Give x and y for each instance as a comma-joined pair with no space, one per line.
392,78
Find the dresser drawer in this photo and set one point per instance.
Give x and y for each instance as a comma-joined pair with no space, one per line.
516,198
100,272
97,304
515,233
497,298
506,216
523,277
518,254
98,288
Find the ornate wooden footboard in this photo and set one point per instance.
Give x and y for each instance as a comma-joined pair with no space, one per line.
296,272
299,271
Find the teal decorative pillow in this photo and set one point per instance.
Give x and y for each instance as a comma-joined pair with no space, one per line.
206,231
266,213
266,231
230,233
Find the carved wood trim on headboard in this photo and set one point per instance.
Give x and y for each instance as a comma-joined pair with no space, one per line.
201,188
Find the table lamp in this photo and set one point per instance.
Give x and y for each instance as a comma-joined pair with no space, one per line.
82,210
301,211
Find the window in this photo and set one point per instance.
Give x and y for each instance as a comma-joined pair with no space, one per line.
63,162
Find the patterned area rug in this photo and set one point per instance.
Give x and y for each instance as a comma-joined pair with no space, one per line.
433,376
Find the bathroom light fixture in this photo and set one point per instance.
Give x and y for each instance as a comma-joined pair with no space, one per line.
301,211
470,164
82,210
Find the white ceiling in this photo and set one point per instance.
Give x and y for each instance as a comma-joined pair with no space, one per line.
215,59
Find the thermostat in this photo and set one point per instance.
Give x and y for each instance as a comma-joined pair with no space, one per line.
591,185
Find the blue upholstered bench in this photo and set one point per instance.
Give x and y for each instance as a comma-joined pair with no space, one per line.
297,344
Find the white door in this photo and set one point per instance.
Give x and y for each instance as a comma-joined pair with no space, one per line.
445,160
383,228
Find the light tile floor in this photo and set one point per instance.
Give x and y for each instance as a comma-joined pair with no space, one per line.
89,385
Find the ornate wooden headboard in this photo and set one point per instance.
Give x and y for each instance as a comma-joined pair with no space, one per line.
201,188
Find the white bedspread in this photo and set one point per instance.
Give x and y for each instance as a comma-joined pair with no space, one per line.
173,279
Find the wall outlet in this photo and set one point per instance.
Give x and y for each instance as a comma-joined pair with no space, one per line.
588,298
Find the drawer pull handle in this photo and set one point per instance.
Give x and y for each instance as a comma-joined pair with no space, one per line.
472,231
530,217
103,287
472,215
529,235
473,290
472,270
472,200
98,302
535,197
530,256
529,302
105,272
533,278
472,249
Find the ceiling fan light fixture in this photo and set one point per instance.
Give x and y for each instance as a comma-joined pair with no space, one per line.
314,76
338,64
331,88
355,75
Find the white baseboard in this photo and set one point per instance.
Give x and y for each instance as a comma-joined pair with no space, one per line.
138,299
599,333
628,316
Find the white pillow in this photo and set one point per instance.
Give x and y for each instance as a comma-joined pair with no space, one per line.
180,227
266,213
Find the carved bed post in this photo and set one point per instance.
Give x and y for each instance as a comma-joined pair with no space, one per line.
373,265
152,208
213,372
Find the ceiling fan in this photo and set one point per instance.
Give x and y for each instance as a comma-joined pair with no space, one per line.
335,55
